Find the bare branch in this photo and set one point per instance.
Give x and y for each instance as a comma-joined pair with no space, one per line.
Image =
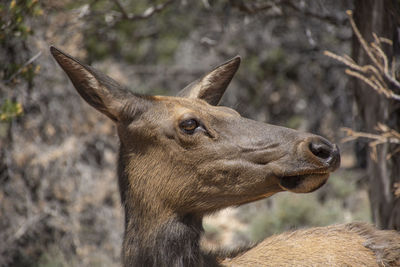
396,187
379,74
353,135
149,12
376,75
386,135
23,66
361,38
386,40
364,79
330,19
250,8
121,8
345,60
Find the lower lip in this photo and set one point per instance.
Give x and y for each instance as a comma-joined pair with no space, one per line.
298,183
291,182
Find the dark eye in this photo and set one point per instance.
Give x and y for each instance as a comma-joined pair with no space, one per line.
189,126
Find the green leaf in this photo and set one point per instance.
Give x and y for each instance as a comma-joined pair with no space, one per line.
10,110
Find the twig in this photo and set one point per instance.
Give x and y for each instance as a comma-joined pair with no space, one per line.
250,9
23,66
386,135
371,55
330,19
364,79
353,135
373,83
149,12
345,60
361,38
26,225
122,9
379,74
396,187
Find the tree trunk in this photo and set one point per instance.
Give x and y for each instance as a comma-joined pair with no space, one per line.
377,16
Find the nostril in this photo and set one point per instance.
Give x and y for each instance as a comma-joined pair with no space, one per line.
327,153
321,150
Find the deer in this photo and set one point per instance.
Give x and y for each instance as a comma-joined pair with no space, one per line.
183,157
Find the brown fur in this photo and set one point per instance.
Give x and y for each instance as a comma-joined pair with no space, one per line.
171,175
354,244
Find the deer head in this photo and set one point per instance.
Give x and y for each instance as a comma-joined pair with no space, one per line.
186,155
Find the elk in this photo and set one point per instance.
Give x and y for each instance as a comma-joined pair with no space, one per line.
184,157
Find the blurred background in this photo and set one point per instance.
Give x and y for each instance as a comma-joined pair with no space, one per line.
59,201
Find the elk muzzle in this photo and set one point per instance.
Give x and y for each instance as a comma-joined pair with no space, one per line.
322,154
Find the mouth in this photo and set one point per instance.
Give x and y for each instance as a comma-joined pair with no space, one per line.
304,183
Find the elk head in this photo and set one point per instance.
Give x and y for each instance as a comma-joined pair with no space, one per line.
185,154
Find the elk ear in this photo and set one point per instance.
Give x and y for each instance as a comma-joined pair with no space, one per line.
212,86
99,90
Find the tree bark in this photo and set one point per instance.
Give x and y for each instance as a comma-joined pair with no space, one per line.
377,16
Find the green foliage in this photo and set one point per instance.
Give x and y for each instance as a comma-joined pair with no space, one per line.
149,41
14,30
10,109
292,211
13,16
342,185
295,122
53,258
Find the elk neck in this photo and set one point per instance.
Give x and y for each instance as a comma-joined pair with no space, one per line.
154,235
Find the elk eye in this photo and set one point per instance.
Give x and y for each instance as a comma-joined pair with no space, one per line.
189,126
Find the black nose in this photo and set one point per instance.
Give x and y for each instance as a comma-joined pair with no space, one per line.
325,152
